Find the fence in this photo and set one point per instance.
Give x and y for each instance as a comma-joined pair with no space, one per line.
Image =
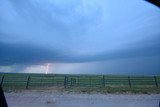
67,81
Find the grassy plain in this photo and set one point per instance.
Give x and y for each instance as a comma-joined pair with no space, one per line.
82,83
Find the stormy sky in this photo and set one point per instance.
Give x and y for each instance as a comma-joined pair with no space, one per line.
80,37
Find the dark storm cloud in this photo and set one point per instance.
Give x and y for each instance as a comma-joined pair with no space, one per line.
27,54
24,54
56,31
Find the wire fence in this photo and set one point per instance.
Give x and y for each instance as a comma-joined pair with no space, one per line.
39,80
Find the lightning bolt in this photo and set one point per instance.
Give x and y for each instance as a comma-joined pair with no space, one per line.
47,68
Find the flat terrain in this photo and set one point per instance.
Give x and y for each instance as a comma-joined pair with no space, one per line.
10,81
53,98
51,90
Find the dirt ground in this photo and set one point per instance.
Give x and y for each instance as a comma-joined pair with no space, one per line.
50,98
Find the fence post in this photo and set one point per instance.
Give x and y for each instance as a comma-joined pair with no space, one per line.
78,81
71,81
2,80
41,80
65,81
28,81
129,80
103,81
90,81
53,80
155,78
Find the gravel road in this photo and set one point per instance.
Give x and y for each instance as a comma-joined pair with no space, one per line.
64,99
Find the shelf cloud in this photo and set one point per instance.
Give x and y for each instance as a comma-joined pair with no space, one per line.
89,37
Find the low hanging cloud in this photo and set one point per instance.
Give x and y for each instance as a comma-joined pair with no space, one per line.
35,32
26,54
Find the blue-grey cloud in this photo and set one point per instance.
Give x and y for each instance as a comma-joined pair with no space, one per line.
27,54
24,54
55,31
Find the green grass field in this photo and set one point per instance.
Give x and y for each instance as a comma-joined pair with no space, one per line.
84,83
